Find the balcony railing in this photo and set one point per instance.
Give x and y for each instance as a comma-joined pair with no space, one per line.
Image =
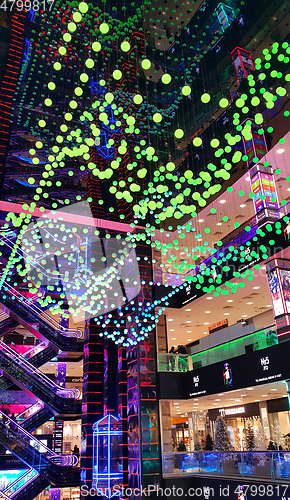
183,362
258,464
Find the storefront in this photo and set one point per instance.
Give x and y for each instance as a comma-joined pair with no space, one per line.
269,422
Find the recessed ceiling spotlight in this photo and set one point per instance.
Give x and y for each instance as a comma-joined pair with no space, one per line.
207,312
188,310
222,201
189,340
188,331
226,314
200,220
206,323
280,151
205,333
230,300
173,338
219,223
249,303
189,321
269,305
170,319
217,399
209,298
256,287
221,394
250,388
245,315
243,205
273,389
264,395
172,330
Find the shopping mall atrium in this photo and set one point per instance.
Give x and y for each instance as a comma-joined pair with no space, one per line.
144,249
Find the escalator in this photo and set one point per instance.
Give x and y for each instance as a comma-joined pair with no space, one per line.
28,487
37,355
57,469
45,466
39,323
27,377
35,416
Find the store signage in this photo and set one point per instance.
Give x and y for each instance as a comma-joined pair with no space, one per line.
255,368
232,411
218,326
58,436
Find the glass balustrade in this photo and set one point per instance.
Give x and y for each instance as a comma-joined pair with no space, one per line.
258,464
12,296
14,435
180,362
20,483
18,362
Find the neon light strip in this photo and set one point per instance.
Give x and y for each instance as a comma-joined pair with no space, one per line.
17,208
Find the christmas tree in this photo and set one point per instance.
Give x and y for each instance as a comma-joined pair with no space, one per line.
208,445
221,438
250,438
277,435
260,440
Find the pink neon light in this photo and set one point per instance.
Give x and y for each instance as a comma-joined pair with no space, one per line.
17,208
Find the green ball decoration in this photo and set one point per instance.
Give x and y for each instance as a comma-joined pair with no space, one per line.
197,141
214,143
205,98
71,27
186,90
166,78
96,46
146,64
117,74
157,117
83,7
104,28
179,133
138,99
89,63
125,46
223,102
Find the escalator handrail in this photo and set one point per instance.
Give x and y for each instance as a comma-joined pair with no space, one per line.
20,418
50,455
66,332
21,361
14,483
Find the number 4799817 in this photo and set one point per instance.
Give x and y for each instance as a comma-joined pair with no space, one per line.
27,5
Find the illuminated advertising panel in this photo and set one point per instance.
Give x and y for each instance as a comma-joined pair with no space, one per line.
257,190
269,190
285,280
275,293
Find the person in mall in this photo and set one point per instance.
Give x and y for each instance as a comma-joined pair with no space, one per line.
76,451
13,424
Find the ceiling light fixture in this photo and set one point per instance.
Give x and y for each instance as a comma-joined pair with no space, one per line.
280,151
222,201
200,220
243,205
